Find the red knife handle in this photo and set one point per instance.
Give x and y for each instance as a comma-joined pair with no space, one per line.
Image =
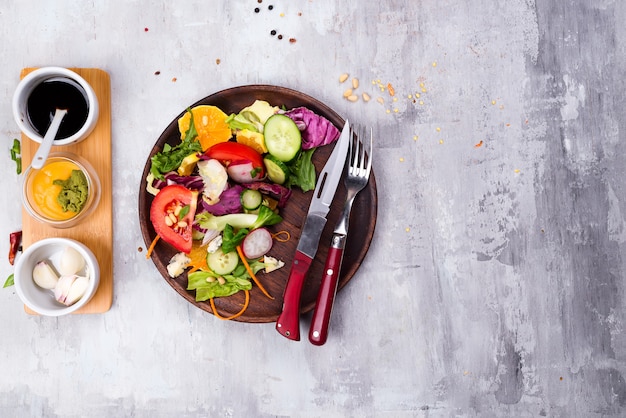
318,333
288,322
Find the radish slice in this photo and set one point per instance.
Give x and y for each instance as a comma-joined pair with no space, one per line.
243,172
257,243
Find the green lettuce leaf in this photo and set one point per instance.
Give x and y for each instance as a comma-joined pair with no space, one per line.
302,172
170,158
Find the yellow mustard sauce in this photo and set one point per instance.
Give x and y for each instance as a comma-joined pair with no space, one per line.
44,193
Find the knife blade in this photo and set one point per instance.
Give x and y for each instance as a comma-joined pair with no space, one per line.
288,322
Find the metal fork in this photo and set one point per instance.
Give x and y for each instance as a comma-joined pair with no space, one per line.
359,167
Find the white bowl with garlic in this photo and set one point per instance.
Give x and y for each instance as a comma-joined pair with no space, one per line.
56,276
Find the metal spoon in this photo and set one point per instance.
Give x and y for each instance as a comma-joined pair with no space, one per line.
44,148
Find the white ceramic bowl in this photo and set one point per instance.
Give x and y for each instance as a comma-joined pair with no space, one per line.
38,76
42,300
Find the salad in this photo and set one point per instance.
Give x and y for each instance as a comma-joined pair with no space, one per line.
219,189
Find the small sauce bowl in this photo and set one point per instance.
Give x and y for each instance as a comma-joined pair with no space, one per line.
40,300
28,88
40,194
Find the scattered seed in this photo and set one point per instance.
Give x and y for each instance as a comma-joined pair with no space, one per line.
221,280
343,77
292,40
257,10
347,93
218,61
392,92
270,7
355,83
157,72
401,159
493,102
353,97
438,129
174,79
479,144
434,63
517,170
380,100
415,137
366,97
407,229
280,36
273,32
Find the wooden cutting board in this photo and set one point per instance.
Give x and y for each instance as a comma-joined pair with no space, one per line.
96,231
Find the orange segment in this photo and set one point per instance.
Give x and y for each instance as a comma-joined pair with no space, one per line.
210,123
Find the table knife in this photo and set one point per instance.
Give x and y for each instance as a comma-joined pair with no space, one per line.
288,322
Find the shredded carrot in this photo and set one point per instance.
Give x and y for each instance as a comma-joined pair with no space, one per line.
152,245
198,258
279,236
251,273
245,306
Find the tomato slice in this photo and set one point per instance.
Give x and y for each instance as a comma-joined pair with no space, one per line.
235,153
172,213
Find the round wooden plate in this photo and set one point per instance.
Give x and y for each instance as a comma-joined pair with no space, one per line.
362,222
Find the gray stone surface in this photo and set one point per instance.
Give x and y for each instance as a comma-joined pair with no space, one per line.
495,282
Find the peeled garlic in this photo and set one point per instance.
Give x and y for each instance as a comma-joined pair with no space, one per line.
77,290
70,289
71,262
44,275
63,287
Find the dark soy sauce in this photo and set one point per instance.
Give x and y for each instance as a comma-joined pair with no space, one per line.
53,94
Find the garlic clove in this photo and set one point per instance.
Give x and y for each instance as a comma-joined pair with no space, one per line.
63,286
71,262
44,276
77,290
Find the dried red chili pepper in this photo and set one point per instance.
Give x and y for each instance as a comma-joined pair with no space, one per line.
16,245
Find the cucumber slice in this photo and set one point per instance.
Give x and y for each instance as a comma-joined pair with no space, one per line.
277,171
222,263
251,199
282,137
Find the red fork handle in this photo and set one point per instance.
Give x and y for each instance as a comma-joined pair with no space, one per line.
318,333
288,322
